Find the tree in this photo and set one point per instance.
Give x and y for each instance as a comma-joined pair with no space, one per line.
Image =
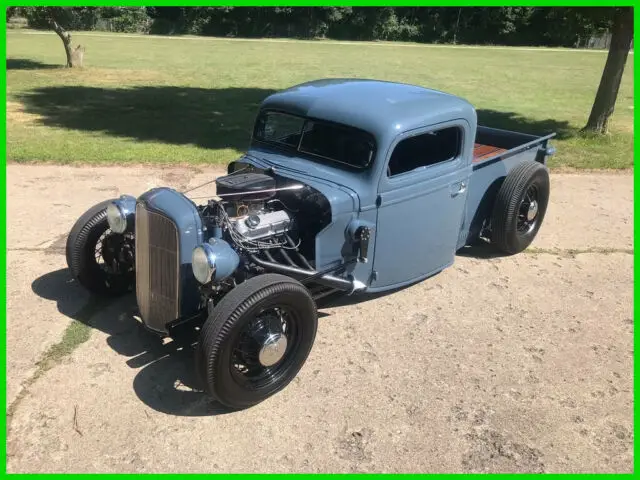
604,103
59,19
74,56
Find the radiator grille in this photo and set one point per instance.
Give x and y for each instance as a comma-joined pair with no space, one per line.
157,268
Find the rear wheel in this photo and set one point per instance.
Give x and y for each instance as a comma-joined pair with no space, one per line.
256,340
520,207
100,260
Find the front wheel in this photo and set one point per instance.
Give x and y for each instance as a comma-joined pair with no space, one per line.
100,260
256,340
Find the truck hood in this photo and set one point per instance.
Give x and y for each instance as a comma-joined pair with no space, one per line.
339,191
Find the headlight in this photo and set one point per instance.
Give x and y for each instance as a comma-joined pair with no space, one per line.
120,213
203,262
214,261
117,218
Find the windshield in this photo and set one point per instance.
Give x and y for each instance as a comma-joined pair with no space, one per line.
319,139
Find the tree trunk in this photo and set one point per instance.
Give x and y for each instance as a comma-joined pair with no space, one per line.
66,41
604,103
455,31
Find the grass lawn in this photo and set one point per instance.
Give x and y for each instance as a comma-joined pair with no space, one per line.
192,100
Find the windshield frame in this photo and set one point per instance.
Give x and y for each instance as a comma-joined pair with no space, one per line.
305,120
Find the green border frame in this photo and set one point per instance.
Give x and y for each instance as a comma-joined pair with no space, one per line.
307,3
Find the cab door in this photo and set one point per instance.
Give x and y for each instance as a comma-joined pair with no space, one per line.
421,200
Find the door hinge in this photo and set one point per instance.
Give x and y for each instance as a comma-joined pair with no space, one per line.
378,201
374,276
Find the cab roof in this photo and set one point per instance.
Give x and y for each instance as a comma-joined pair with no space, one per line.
378,107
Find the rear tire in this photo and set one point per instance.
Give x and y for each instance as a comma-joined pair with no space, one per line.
520,207
86,239
233,358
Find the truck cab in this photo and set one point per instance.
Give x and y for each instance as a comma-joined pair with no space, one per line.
410,158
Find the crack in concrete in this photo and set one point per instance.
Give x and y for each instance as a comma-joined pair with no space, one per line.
572,252
76,333
48,247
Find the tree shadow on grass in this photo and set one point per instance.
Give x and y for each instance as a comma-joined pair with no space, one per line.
208,118
518,123
26,64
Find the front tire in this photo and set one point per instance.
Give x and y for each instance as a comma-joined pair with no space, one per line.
520,207
256,340
96,256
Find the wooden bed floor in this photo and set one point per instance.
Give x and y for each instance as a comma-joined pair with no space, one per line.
482,152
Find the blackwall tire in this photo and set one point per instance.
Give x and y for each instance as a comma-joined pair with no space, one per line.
81,259
233,323
512,231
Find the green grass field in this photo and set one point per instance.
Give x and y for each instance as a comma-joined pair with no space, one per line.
192,100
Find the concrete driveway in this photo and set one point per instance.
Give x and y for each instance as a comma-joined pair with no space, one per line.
519,364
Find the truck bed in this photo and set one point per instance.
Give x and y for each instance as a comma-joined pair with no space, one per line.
493,143
483,152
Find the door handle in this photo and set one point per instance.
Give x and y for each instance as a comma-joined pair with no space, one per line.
458,188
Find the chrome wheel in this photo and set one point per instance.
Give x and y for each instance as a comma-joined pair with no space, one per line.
261,354
256,339
520,207
115,253
101,261
528,211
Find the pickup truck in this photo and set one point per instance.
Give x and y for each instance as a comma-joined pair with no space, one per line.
348,186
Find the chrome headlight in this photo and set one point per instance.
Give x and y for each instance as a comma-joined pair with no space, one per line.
214,261
116,218
119,212
203,262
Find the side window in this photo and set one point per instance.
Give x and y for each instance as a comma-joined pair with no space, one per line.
425,149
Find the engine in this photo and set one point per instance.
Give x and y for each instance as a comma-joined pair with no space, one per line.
268,220
263,225
249,211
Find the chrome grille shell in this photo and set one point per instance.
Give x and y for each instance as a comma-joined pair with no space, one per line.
157,268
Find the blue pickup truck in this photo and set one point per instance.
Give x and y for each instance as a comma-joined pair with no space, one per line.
349,186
